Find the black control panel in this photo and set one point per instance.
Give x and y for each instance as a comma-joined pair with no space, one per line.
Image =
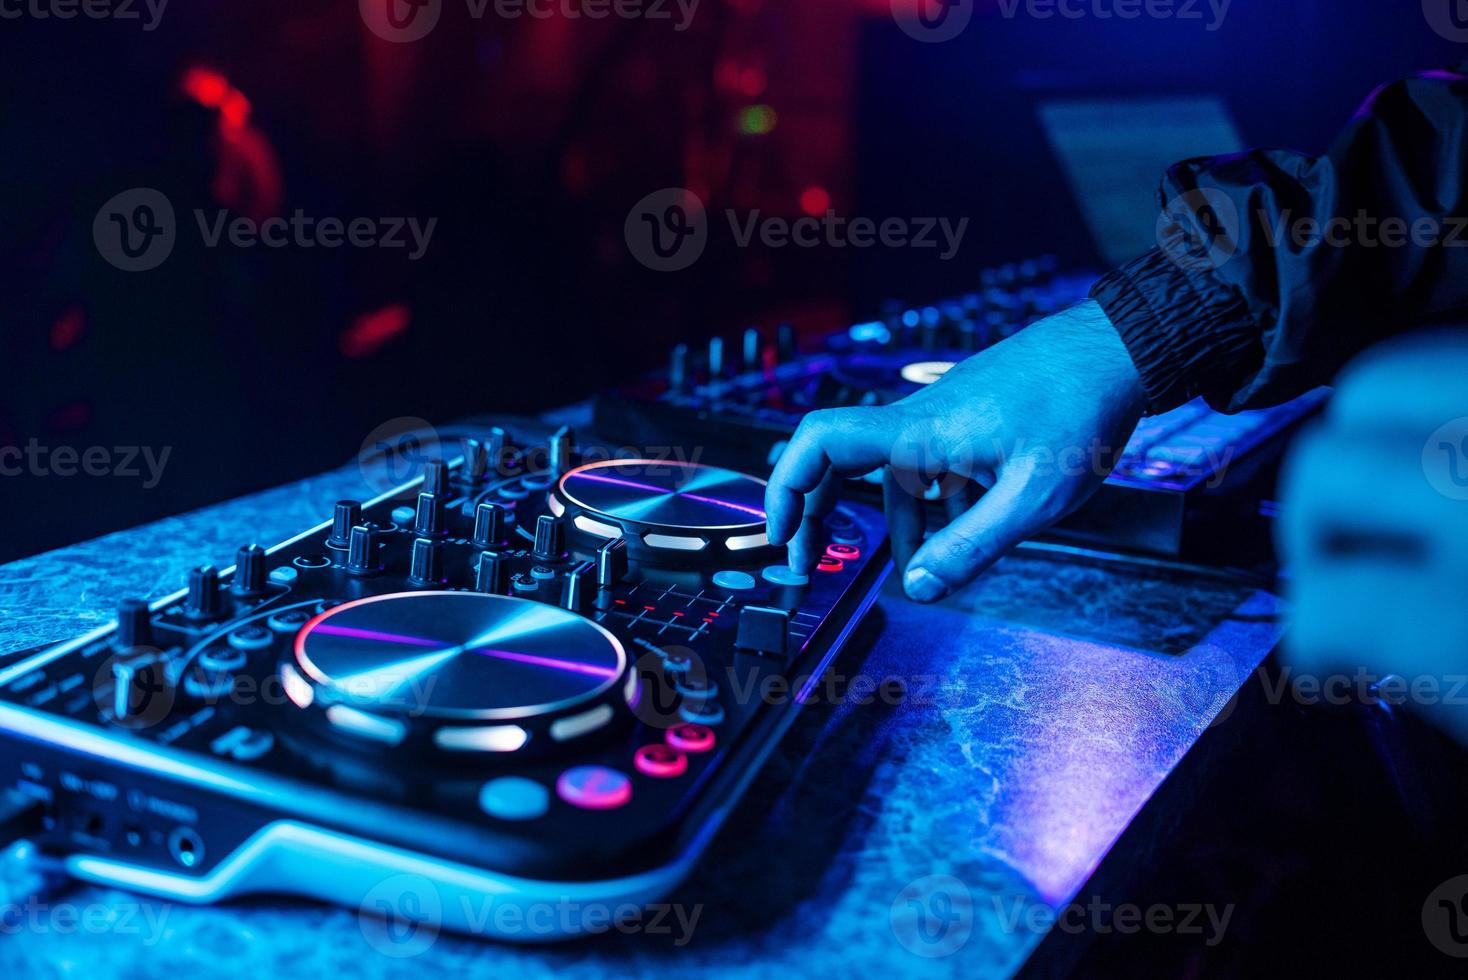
526,678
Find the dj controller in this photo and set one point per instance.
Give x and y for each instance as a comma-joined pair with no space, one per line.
1191,483
521,678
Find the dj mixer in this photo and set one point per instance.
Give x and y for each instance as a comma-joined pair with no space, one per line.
1191,483
521,678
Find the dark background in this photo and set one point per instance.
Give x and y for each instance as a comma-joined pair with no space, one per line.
529,141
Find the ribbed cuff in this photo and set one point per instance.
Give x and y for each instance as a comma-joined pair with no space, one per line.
1187,334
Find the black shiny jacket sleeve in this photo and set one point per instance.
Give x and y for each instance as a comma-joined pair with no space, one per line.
1275,268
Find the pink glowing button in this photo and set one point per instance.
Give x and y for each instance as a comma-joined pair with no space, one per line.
594,787
660,761
691,738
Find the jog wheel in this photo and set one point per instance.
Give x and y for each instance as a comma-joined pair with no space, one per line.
459,673
668,512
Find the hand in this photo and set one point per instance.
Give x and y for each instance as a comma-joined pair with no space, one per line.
1375,533
1038,419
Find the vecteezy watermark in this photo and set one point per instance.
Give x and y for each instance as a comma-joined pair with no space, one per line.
933,916
1445,917
1199,230
121,918
146,12
1445,459
668,231
1449,18
405,21
1204,920
118,462
933,21
1210,13
402,916
136,230
1364,230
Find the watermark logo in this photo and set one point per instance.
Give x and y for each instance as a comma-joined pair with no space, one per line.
400,21
401,916
143,463
135,231
1449,18
1205,921
132,688
933,916
1211,13
1445,917
149,13
397,452
405,21
1199,230
667,230
933,21
1445,460
671,679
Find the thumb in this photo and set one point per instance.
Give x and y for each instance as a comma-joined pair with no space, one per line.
1017,507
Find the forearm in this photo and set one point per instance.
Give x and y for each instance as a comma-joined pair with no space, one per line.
1277,268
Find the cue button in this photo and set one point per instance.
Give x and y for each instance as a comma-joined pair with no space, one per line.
660,761
784,575
690,738
734,581
514,798
594,787
701,712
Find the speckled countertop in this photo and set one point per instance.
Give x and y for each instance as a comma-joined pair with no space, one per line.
1043,708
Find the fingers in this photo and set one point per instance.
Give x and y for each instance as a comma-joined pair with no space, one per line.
906,518
1015,509
849,440
805,547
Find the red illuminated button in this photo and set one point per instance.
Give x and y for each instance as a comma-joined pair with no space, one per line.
662,761
843,552
829,564
594,787
691,738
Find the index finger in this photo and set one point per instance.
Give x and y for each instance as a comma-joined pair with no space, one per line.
850,441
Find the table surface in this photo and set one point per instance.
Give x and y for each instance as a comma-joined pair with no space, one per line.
1044,706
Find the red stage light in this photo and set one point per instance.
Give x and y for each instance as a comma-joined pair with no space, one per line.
371,330
68,328
815,201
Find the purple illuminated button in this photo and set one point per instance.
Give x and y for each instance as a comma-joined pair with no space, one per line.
594,787
660,761
690,738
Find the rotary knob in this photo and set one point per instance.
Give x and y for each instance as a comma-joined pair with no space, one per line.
249,572
489,526
436,477
203,598
492,574
362,556
134,625
562,451
426,567
476,460
678,368
346,515
428,518
550,538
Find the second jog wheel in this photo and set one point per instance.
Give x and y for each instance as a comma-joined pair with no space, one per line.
667,511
